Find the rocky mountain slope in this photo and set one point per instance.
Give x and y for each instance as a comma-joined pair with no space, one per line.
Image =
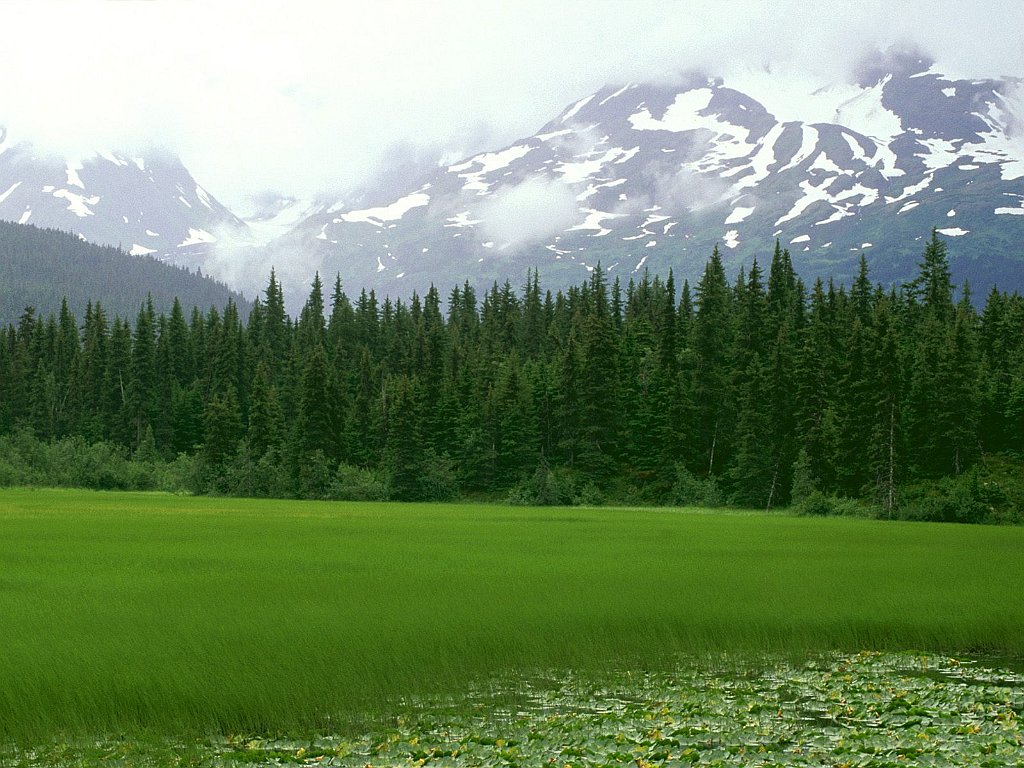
653,176
145,204
636,176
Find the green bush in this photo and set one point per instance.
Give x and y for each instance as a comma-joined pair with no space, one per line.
358,484
817,504
949,499
692,491
589,496
178,475
541,489
439,479
316,473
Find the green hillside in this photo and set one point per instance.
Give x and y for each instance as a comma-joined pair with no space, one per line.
40,267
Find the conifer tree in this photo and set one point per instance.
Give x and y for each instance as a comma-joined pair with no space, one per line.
266,420
596,455
361,427
315,426
959,406
752,475
817,363
886,385
65,371
117,384
92,371
855,409
403,457
222,421
142,394
312,328
275,342
712,338
932,287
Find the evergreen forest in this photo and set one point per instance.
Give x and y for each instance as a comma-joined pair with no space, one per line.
758,391
40,267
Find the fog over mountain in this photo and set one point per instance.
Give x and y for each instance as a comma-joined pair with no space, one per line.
306,113
640,176
302,98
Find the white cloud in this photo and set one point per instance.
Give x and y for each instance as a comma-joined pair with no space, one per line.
529,212
300,96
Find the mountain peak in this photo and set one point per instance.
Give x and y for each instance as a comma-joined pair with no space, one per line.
146,202
653,175
896,61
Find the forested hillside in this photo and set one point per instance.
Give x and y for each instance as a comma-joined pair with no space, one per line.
758,392
41,267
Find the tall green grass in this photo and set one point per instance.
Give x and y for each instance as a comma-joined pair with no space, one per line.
121,612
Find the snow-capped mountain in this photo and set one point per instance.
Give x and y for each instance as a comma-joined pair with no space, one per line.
270,216
652,176
146,204
637,176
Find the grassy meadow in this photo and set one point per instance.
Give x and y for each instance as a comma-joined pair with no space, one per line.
124,613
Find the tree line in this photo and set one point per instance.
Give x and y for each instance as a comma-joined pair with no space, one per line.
39,267
756,391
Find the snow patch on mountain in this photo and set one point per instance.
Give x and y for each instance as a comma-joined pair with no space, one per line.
110,157
196,237
204,198
594,221
866,114
576,172
393,212
739,214
808,143
5,195
689,112
77,204
762,159
72,169
486,163
460,220
1004,143
575,108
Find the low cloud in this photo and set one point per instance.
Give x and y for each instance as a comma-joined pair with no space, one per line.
308,96
529,212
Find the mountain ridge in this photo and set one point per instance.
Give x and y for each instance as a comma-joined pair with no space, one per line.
635,176
642,176
40,268
143,202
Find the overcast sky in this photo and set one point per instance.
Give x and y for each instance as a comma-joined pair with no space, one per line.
304,96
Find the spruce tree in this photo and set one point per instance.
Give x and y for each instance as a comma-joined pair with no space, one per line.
885,368
143,394
266,420
713,333
222,422
92,372
403,444
117,383
753,475
315,426
598,403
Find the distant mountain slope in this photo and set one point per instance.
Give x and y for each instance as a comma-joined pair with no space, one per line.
651,176
146,204
38,267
